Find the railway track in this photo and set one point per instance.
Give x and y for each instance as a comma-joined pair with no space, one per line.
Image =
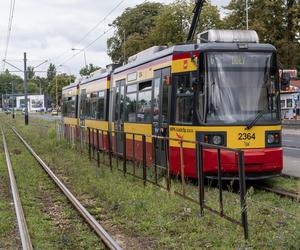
22,225
281,192
107,240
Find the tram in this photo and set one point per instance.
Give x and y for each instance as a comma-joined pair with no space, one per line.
223,90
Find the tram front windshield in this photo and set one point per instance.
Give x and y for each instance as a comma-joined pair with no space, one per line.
241,86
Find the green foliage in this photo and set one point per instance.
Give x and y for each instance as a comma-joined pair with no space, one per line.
132,26
151,24
6,79
56,85
51,72
30,72
88,70
277,23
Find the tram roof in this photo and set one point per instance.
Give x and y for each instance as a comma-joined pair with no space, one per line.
157,55
94,77
236,47
72,85
196,47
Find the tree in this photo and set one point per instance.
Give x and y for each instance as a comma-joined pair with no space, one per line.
56,85
51,72
88,70
30,72
134,22
276,22
152,24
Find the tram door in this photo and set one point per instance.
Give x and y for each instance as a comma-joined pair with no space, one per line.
119,115
161,89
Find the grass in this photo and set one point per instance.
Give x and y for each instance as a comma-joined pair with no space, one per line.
162,220
8,227
52,221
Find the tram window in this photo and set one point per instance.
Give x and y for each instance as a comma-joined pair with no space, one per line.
184,109
145,86
131,88
156,107
183,84
184,99
100,109
130,115
289,103
144,109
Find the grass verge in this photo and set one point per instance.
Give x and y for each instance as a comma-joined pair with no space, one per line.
158,219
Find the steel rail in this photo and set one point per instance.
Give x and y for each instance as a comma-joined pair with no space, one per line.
100,231
22,225
281,192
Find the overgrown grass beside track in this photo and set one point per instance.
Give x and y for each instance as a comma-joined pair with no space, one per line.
153,218
52,222
9,238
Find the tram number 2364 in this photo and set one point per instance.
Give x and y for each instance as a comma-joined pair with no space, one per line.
246,136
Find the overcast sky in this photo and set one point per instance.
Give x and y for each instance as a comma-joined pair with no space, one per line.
48,29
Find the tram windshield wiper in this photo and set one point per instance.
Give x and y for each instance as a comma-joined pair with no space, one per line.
258,116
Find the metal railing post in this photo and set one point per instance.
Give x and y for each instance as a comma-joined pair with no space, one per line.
109,149
133,152
103,147
168,179
98,149
182,169
144,159
124,154
154,143
89,134
199,161
220,182
242,182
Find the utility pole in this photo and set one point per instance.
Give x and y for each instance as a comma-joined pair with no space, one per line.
25,89
247,15
13,100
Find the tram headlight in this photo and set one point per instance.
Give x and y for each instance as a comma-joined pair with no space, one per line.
270,139
273,138
217,140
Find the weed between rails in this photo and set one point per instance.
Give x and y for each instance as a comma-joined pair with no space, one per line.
9,238
160,219
52,221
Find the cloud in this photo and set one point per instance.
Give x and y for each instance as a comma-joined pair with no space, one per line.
46,29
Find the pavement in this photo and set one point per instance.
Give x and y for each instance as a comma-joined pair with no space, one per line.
291,152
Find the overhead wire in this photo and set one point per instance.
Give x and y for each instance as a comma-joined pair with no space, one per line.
91,30
9,29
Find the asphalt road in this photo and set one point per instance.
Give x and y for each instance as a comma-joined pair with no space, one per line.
47,117
291,152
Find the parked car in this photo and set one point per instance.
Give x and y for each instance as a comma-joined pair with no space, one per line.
54,112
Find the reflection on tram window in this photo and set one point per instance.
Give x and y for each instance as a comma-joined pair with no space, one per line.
184,99
69,106
184,109
144,113
130,107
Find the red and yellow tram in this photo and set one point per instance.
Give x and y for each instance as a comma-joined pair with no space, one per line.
224,91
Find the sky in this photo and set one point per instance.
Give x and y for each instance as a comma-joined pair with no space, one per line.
49,29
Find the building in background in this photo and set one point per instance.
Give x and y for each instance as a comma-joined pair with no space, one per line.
290,95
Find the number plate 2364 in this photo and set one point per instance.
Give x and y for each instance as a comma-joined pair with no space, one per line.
246,136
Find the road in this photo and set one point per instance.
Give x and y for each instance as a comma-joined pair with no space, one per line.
47,117
291,152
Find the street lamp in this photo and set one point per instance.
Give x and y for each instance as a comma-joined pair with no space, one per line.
82,50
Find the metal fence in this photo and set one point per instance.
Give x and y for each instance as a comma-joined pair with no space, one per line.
110,148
